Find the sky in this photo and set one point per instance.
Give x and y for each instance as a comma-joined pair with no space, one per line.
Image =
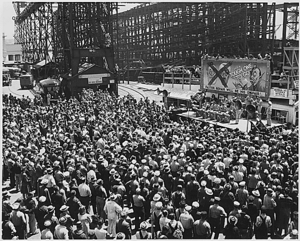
7,12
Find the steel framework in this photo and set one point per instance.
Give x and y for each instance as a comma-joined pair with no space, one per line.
168,32
155,32
66,33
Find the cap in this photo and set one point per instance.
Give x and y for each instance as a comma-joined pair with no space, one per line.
195,205
42,199
157,173
270,189
145,174
242,184
218,199
206,172
143,161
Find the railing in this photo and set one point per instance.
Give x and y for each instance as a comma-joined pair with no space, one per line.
180,78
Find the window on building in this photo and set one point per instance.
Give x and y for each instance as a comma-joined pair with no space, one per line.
10,58
18,57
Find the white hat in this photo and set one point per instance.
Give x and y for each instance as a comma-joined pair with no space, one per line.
241,161
143,161
294,232
209,192
242,184
156,197
236,203
42,199
158,205
217,180
188,207
206,172
256,193
145,174
203,183
157,173
47,223
195,205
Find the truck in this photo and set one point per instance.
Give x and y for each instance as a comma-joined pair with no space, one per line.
27,81
6,80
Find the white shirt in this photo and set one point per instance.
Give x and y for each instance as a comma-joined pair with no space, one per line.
91,175
112,209
163,221
84,190
100,233
51,180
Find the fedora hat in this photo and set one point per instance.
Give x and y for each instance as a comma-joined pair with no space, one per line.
256,193
64,208
156,197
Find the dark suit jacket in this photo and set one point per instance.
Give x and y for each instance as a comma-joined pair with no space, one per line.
124,227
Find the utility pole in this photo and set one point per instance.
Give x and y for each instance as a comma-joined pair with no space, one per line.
127,65
4,47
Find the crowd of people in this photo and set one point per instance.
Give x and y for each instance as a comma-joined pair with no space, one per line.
109,167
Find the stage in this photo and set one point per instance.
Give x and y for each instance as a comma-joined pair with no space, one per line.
242,125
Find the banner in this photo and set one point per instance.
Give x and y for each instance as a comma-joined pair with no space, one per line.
245,77
94,78
279,93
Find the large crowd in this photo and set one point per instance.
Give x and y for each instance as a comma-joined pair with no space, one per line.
108,167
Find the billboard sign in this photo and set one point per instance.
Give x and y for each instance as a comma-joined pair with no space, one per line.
94,78
237,76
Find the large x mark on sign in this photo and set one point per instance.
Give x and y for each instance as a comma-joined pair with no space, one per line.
218,73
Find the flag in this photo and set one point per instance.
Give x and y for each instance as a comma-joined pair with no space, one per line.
253,128
261,127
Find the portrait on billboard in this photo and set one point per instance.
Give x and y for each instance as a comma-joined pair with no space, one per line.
237,76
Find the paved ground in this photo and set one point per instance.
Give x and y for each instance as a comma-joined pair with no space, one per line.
15,89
